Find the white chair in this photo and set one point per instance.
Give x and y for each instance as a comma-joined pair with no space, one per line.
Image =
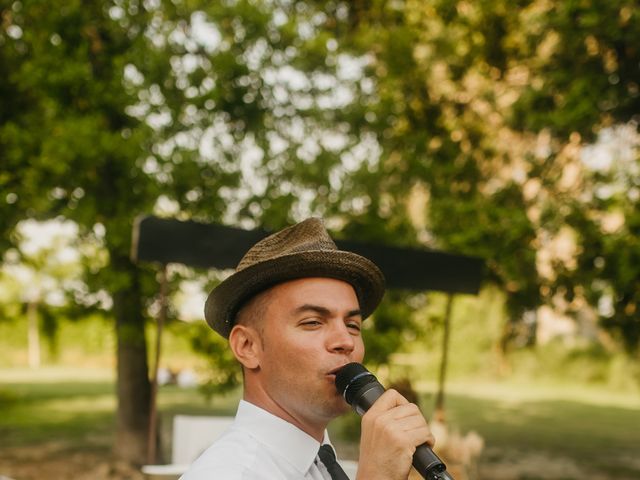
191,436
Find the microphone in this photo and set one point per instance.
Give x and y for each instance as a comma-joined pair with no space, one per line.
360,388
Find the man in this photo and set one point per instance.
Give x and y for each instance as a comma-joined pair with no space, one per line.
293,313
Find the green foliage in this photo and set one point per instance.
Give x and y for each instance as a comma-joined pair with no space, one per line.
485,105
584,364
384,333
89,342
584,60
223,372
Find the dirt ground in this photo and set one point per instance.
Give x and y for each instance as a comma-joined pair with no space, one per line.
55,462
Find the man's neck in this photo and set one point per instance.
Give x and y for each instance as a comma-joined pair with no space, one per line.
313,429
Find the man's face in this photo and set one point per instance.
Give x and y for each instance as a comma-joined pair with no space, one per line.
311,327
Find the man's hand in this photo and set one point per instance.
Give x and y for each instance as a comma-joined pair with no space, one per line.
391,430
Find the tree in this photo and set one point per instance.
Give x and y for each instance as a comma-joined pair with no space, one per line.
400,122
117,108
480,110
70,148
42,276
589,83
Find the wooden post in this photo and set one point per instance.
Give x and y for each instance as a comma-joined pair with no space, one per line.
439,407
153,411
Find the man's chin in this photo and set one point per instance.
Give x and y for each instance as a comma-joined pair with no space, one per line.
345,408
336,407
341,406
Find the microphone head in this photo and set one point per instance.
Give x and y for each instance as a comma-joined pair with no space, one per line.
352,377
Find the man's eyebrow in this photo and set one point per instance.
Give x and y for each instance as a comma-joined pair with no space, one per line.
324,311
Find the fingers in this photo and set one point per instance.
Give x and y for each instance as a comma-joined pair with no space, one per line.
391,430
394,413
387,401
407,423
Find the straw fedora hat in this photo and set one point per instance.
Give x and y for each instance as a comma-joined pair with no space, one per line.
300,251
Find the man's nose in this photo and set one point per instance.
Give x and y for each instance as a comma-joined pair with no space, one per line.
341,339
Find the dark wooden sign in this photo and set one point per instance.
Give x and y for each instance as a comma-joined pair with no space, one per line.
216,246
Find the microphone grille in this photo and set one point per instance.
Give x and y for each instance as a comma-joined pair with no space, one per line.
346,374
352,377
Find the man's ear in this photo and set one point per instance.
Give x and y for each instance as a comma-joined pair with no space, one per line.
245,345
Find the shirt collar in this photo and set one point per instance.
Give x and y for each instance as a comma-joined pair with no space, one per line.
279,436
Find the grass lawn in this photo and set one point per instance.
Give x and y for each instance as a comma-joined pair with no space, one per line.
521,424
76,406
600,438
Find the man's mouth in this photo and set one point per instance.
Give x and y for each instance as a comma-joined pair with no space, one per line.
335,371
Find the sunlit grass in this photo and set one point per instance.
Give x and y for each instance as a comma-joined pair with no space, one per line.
521,391
595,429
599,431
73,404
50,374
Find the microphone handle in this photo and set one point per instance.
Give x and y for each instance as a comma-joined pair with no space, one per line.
367,398
427,463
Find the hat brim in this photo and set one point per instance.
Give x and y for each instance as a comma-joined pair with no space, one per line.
225,300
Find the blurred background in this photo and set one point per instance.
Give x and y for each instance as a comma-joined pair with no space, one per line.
505,131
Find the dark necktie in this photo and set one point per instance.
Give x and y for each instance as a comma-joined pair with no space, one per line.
333,467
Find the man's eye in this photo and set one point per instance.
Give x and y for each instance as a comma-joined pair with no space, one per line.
310,323
355,326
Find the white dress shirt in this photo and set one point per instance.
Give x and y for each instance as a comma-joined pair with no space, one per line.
260,446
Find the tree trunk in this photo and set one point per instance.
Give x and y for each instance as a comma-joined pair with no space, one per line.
133,387
502,348
33,335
